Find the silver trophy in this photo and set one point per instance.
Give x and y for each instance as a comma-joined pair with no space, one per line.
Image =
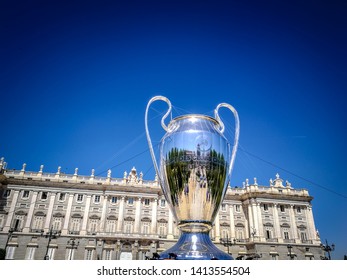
195,164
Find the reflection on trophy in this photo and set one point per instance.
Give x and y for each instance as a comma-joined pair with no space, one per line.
195,164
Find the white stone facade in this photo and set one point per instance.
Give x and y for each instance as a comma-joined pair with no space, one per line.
62,216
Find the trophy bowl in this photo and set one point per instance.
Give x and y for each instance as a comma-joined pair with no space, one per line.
195,164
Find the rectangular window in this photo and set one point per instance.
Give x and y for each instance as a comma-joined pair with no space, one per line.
130,201
97,199
303,236
25,194
61,196
10,252
6,194
286,235
147,201
282,208
44,195
30,253
114,199
162,202
89,254
266,207
80,197
298,209
237,208
224,208
50,254
108,254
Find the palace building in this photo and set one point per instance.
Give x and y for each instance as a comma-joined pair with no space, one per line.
59,216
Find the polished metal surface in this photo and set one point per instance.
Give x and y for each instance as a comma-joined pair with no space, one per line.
195,163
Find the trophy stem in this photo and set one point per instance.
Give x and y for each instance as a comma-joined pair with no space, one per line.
195,246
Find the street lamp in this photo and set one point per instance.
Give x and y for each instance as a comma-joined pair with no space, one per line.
52,234
227,243
73,244
291,256
327,248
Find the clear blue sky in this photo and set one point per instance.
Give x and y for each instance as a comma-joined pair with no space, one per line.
76,76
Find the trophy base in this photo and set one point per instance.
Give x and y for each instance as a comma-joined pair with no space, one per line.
195,246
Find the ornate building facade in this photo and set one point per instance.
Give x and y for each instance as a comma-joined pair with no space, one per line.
70,216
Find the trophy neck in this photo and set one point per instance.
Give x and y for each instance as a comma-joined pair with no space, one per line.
195,117
194,120
195,226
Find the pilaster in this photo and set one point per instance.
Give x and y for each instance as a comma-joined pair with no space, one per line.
30,212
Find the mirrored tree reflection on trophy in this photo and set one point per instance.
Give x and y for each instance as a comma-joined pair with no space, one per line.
195,164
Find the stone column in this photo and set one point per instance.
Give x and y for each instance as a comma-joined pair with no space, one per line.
86,215
311,231
250,219
103,214
293,222
255,218
277,228
30,212
260,223
120,215
137,215
232,222
11,211
67,215
154,216
49,212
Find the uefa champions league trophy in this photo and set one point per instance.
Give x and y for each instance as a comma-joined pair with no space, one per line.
195,164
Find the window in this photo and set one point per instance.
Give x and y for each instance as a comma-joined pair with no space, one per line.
93,225
225,233
130,200
25,194
57,222
108,254
50,253
75,225
97,199
224,208
266,207
114,199
89,254
70,254
298,209
30,253
10,252
111,226
162,202
128,227
145,227
44,195
303,236
162,229
286,235
147,201
237,208
79,198
38,223
282,208
6,193
61,196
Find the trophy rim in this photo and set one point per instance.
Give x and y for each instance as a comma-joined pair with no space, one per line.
200,116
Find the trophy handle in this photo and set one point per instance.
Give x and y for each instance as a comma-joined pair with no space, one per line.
237,130
155,98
